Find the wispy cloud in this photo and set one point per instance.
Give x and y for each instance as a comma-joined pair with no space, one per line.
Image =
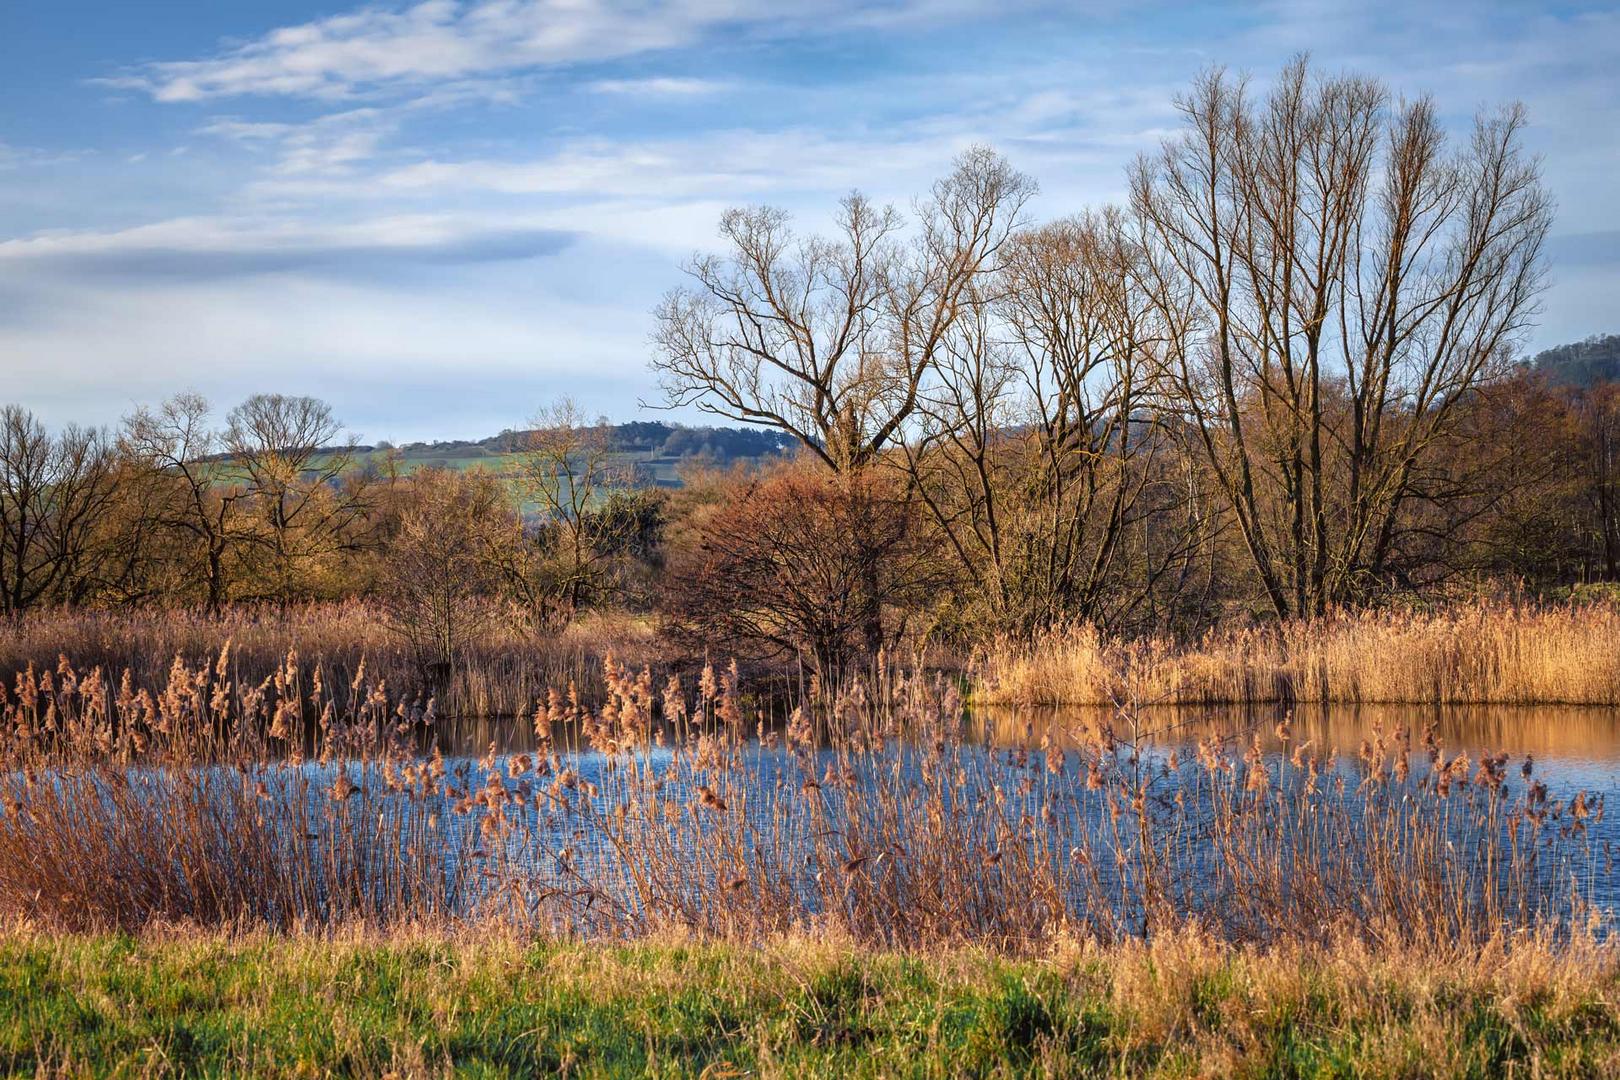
215,247
17,157
435,40
738,163
666,87
328,145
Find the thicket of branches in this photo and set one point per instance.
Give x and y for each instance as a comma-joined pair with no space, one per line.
1281,378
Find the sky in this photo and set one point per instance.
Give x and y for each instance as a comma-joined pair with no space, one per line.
441,216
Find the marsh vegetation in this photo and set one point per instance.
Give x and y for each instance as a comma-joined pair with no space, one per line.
1254,445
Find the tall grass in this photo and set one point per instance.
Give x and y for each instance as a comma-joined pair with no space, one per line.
498,673
869,813
1472,653
1475,653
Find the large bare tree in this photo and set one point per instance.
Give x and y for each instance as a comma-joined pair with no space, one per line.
1335,278
832,339
1041,445
835,340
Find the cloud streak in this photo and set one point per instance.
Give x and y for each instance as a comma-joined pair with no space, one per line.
659,87
438,40
214,248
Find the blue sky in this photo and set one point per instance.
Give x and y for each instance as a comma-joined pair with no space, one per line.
441,215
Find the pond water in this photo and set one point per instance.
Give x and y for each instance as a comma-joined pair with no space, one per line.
1568,750
1571,747
878,828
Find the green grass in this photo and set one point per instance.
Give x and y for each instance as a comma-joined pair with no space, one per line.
430,1005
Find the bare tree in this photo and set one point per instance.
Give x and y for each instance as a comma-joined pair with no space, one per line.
177,441
567,468
1334,281
832,340
289,455
52,491
835,340
442,573
1598,411
1042,443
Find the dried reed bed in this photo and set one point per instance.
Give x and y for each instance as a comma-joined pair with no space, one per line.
869,814
498,673
1478,653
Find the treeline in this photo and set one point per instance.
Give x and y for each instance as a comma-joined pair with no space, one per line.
174,507
1582,363
269,503
721,445
1280,379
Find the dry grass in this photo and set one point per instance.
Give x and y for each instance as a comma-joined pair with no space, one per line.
1473,653
498,674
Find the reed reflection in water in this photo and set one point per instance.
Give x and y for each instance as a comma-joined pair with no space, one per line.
891,813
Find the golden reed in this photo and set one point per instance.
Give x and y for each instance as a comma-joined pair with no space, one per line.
1476,653
870,811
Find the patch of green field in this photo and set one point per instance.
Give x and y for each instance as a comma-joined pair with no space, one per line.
430,1006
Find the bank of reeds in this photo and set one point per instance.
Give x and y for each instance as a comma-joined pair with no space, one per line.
1468,653
498,672
1479,653
869,814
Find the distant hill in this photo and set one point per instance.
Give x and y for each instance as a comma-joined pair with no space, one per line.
1583,363
656,449
722,444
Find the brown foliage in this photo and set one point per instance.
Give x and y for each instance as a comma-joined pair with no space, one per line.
442,571
801,562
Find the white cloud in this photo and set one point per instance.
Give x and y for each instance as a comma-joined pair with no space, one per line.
439,40
658,87
17,157
331,144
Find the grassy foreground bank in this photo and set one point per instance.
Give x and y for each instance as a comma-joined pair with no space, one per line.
430,1005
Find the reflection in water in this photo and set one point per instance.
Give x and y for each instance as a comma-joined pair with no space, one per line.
1571,736
1572,748
1569,750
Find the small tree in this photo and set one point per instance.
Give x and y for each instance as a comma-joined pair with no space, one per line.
568,468
289,455
52,491
176,442
441,578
